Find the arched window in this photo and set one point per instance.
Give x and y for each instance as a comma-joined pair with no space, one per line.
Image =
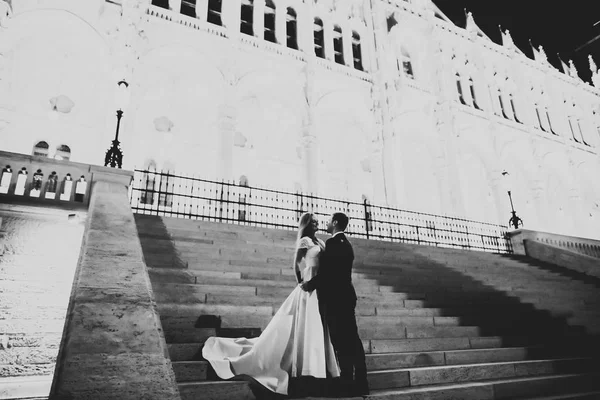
319,38
148,184
63,152
41,149
291,29
461,96
246,17
161,3
188,7
406,63
581,132
539,117
550,127
270,21
356,51
214,12
514,108
166,188
502,109
473,95
338,45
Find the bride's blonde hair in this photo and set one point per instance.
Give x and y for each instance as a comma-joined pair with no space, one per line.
305,222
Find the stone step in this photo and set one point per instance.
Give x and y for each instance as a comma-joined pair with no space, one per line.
500,389
446,374
225,390
510,361
25,387
379,346
574,396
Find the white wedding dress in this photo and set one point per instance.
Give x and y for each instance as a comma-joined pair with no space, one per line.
293,344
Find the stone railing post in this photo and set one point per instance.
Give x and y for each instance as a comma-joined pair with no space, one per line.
113,345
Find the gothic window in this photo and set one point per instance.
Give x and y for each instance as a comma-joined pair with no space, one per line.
41,149
539,117
161,3
165,189
246,17
356,51
473,95
291,29
572,130
461,96
63,152
502,109
406,63
319,38
514,108
581,132
188,7
148,184
391,22
338,45
270,21
550,127
214,12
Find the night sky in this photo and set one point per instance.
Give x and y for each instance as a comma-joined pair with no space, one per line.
559,26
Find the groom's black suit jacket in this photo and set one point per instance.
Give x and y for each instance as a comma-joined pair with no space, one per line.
334,279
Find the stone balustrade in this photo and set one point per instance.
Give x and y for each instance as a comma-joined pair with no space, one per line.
43,180
583,246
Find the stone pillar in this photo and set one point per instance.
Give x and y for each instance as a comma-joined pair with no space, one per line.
311,159
202,10
226,123
259,18
113,345
305,29
175,6
347,42
280,28
328,38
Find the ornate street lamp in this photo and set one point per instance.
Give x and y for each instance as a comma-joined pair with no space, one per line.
514,220
114,156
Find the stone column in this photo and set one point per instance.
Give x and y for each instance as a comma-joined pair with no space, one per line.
305,31
175,6
280,27
259,18
226,123
113,345
328,38
202,10
347,42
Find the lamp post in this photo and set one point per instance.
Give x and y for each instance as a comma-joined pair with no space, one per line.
114,155
514,219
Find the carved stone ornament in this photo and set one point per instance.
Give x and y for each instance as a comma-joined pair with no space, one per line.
62,104
239,140
163,124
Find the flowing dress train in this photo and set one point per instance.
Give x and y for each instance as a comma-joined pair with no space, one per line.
293,344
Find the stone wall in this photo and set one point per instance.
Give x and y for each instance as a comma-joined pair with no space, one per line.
113,345
39,249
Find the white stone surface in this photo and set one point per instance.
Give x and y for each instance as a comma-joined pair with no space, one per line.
285,119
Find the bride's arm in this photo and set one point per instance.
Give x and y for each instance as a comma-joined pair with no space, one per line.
300,254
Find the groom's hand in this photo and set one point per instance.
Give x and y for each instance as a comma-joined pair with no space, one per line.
307,287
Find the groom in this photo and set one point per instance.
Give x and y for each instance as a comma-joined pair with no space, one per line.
337,301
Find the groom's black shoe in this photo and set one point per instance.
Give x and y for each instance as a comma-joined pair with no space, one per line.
361,388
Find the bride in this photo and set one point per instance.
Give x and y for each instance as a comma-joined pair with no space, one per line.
295,343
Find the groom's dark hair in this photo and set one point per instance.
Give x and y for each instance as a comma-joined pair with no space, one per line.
342,220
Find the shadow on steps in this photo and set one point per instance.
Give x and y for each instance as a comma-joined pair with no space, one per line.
155,237
556,269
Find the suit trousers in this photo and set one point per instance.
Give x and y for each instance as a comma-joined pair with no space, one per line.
347,344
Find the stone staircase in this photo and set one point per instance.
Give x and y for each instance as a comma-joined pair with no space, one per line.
435,323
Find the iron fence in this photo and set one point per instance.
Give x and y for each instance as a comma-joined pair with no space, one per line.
176,195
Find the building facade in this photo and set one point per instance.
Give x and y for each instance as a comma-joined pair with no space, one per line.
358,99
